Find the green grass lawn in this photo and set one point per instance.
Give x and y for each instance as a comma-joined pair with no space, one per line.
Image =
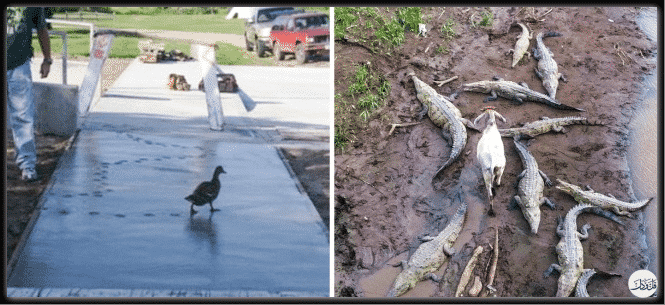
78,38
78,45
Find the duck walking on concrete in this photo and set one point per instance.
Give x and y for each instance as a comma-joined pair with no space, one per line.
206,192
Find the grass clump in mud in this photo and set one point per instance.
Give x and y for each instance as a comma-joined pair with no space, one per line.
353,108
487,20
447,30
376,30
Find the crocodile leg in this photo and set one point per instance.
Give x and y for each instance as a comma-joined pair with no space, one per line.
563,77
448,250
547,180
536,53
519,177
559,228
538,73
560,129
548,202
426,238
520,98
584,232
400,264
432,277
552,267
470,124
423,112
491,98
515,203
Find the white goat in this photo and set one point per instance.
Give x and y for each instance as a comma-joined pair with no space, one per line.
490,152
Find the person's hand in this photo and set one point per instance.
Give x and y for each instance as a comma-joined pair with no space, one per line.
46,68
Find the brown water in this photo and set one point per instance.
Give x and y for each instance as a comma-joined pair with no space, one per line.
643,150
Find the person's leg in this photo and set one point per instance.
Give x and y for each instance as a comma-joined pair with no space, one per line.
21,109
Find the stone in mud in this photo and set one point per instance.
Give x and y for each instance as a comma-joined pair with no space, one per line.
365,257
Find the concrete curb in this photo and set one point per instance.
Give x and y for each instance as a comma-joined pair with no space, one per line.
16,292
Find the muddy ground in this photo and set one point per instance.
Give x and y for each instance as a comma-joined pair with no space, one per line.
385,195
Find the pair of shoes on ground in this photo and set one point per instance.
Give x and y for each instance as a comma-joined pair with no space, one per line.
29,174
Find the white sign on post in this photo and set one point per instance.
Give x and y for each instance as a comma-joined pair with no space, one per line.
206,57
100,51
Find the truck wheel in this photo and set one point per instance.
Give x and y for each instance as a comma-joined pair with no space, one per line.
248,46
260,48
301,55
279,55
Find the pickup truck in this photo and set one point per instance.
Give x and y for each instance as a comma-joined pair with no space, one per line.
258,25
302,34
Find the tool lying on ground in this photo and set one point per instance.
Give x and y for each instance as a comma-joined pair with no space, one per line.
178,82
225,81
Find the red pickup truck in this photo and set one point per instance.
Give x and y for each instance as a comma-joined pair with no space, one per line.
302,34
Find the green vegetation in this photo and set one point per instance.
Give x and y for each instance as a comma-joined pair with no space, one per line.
353,108
447,30
442,50
378,29
487,20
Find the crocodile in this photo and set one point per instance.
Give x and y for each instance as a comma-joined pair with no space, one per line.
513,91
430,255
522,45
547,68
545,125
607,202
569,249
530,188
581,291
444,115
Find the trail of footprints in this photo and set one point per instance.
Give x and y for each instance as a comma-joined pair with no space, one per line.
101,171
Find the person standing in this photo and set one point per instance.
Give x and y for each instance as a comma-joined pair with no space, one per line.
20,99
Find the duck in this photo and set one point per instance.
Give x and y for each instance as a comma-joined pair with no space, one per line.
206,192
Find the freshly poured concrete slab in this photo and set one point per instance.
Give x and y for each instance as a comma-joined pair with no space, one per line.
116,218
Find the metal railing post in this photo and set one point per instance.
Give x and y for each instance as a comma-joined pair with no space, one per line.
64,53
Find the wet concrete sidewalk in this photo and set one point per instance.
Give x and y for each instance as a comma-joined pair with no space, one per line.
114,221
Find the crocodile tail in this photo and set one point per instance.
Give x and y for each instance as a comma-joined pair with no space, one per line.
458,146
585,207
566,107
551,34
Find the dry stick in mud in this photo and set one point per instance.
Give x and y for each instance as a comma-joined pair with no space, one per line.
392,126
466,274
495,259
443,82
490,153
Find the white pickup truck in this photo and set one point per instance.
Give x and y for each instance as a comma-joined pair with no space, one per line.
259,24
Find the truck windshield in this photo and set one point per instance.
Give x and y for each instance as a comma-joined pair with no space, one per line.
272,13
312,22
